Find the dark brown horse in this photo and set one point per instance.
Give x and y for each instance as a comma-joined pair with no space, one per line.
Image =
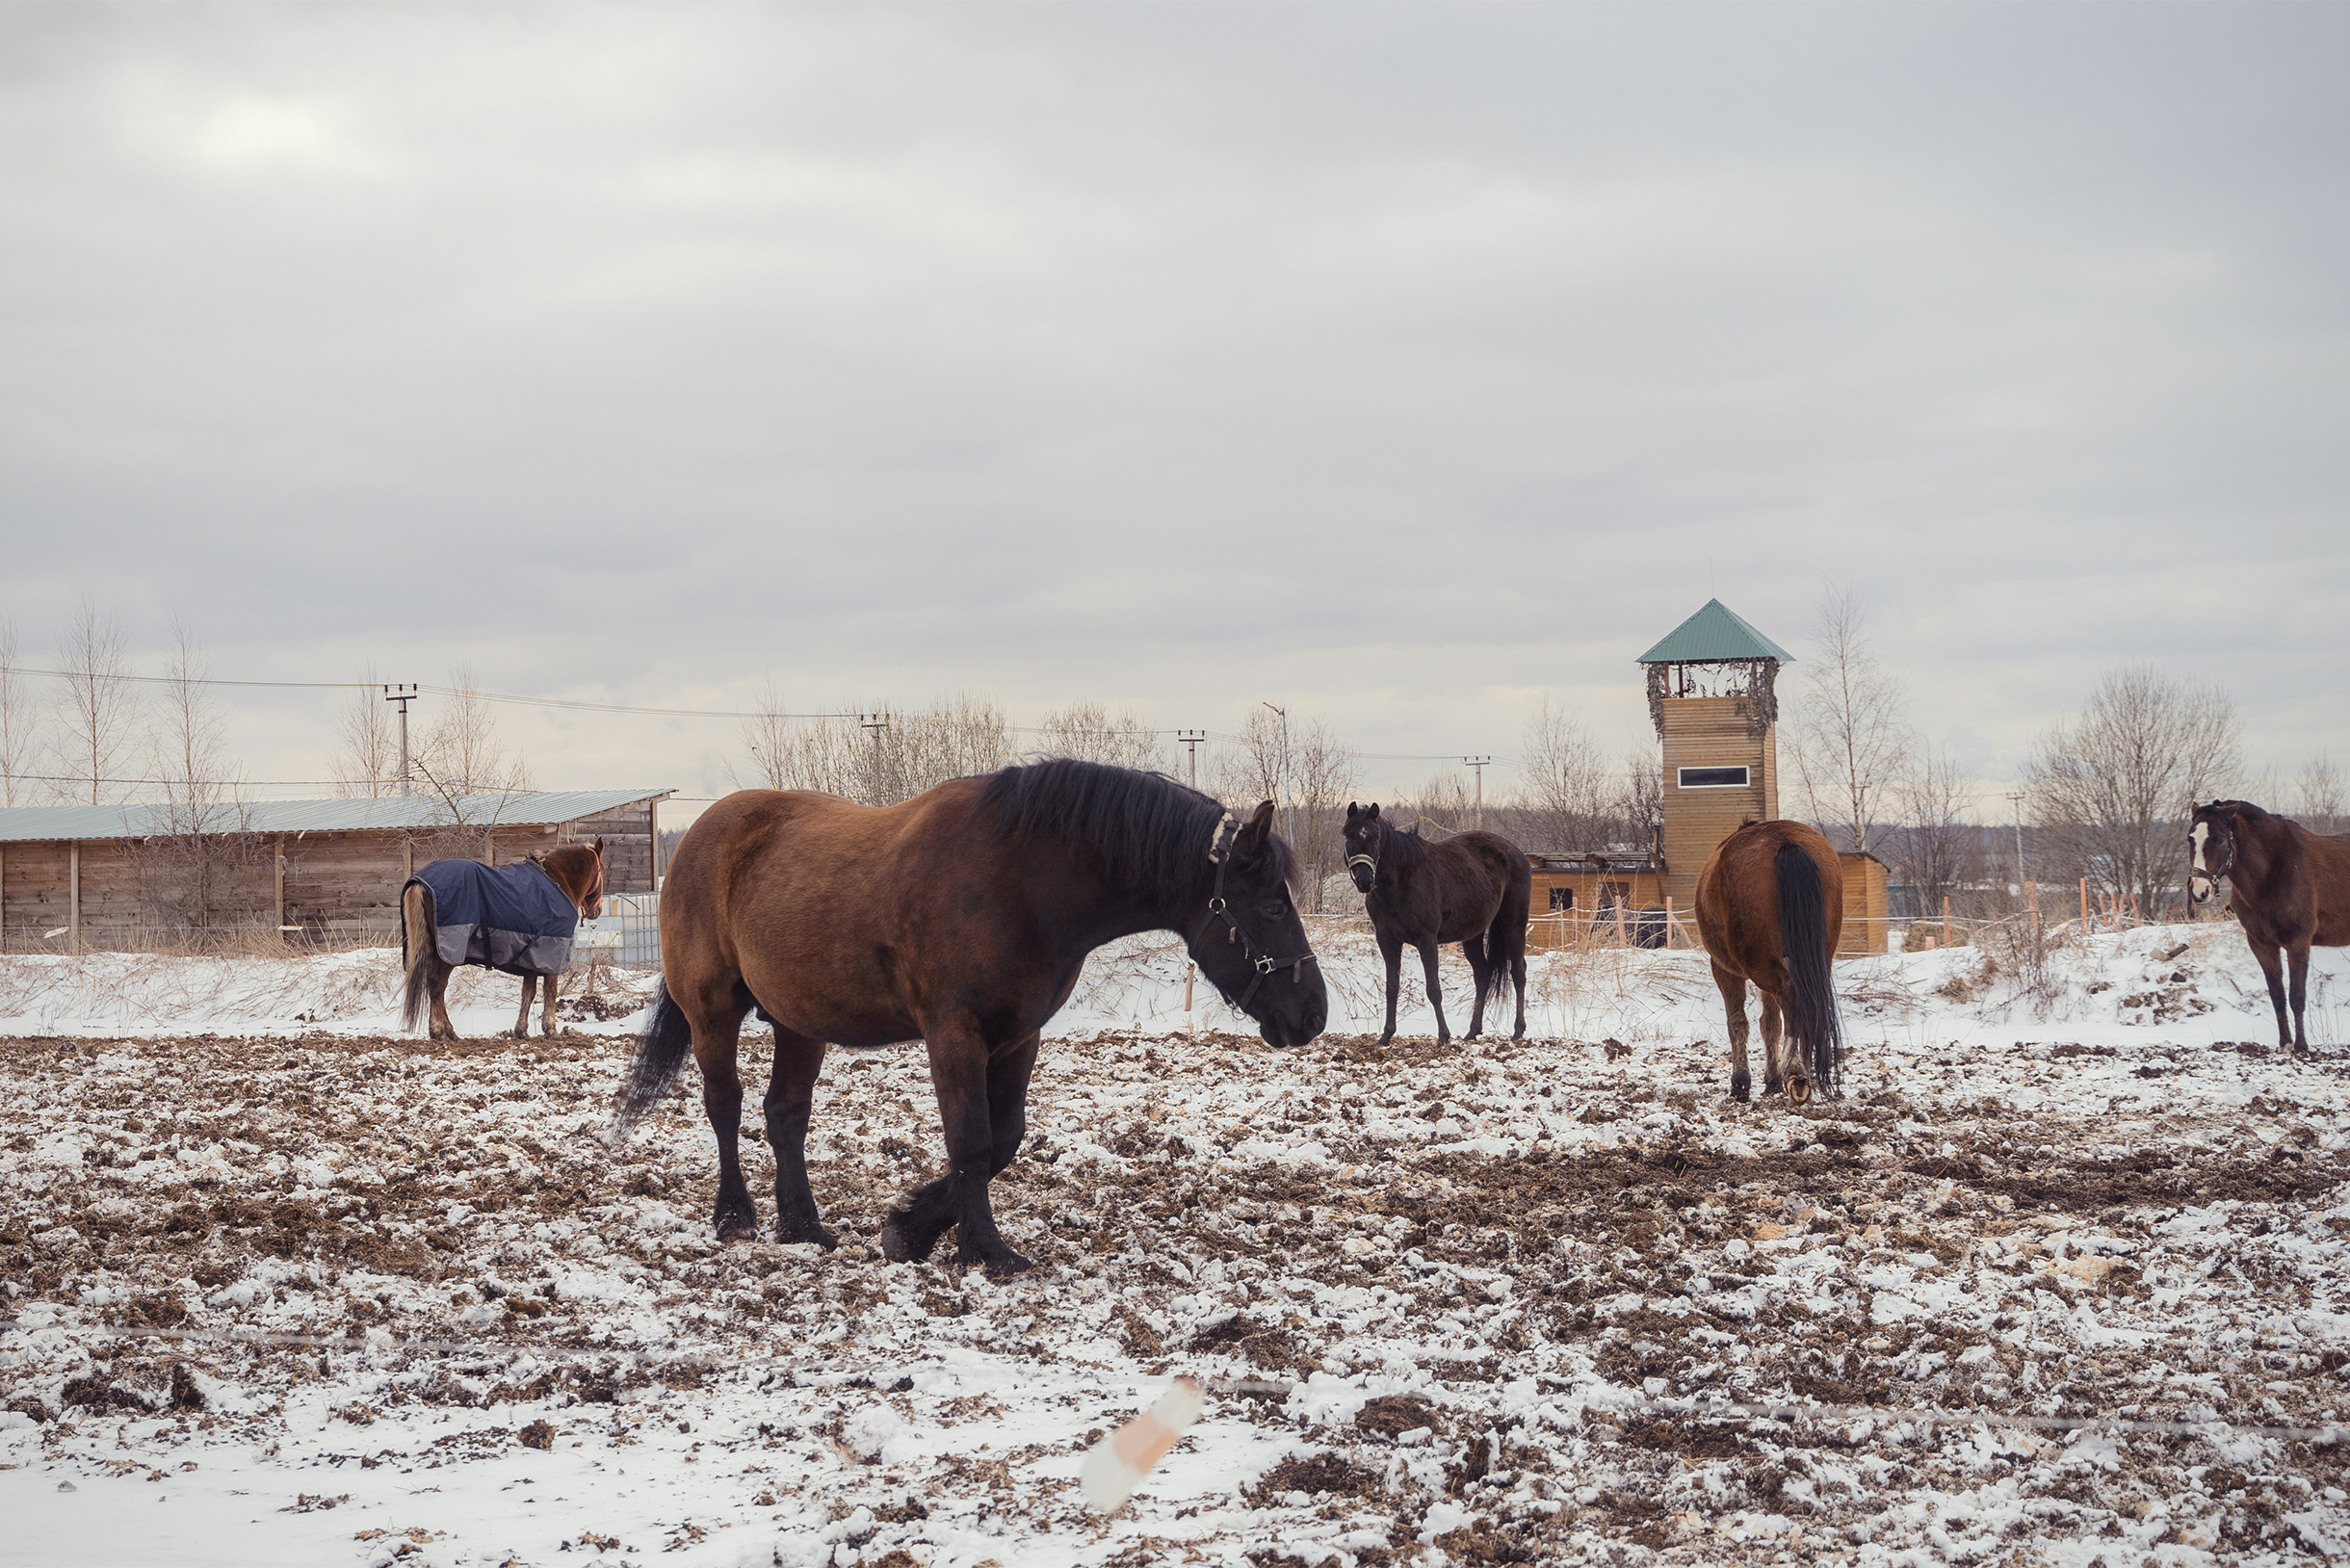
577,871
2289,888
1472,888
1771,906
961,918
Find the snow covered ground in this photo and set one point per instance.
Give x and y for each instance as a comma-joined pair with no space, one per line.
1468,1305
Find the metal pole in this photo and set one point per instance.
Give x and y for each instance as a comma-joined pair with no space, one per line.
2018,799
1190,739
875,725
1478,764
403,695
1280,787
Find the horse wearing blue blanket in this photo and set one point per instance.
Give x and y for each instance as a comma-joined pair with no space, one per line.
519,918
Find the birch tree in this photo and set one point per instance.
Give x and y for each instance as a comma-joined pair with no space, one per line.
19,723
367,760
1851,734
1089,732
1565,782
93,738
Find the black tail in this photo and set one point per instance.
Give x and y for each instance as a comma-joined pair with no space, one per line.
1505,937
661,1052
1811,990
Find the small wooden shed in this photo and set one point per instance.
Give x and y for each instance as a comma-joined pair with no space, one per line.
75,877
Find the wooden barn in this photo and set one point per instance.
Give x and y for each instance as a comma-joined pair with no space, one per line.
1712,694
78,877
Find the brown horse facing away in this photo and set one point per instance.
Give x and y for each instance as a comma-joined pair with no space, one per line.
959,917
2289,888
577,873
1770,907
1474,888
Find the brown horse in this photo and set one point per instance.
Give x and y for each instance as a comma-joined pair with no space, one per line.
577,872
1771,906
2289,888
1472,888
961,918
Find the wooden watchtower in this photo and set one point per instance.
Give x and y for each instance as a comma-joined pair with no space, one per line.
1712,691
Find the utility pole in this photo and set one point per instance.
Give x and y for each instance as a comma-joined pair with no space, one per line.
2018,799
403,695
875,725
1478,764
1288,820
1191,740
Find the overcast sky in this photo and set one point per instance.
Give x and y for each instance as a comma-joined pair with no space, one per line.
1396,364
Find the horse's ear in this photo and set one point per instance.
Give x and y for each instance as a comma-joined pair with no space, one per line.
1373,812
599,848
1251,838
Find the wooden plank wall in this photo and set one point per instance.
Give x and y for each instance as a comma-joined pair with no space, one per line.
1866,904
1710,732
627,833
343,883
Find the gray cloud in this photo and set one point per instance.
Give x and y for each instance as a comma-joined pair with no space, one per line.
1398,363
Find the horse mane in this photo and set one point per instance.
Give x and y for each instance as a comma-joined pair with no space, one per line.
2243,808
1408,849
1145,828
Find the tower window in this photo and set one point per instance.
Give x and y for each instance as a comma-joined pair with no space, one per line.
1713,778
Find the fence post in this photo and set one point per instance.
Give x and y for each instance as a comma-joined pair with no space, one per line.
1668,922
73,893
1945,920
2084,908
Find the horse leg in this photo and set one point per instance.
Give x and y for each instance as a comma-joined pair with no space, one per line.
717,1036
1436,996
1391,948
546,1013
2272,964
1785,1054
437,980
522,1019
791,1095
1517,978
962,1075
1734,1008
1480,966
2300,960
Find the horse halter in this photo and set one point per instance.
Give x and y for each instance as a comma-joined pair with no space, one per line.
1371,860
2210,875
1264,963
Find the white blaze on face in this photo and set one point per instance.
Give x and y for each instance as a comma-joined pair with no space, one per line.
2202,836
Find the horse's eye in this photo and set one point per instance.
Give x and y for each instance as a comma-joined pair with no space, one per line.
1272,908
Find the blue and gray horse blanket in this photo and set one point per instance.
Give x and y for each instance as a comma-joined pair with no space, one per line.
511,918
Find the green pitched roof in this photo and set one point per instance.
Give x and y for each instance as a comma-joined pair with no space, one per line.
1713,634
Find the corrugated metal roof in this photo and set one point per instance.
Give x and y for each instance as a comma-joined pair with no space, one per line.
20,824
1714,633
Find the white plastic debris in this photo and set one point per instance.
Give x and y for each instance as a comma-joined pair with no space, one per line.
1120,1461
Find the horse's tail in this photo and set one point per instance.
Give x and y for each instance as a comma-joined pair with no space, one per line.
1505,937
416,940
661,1052
1811,990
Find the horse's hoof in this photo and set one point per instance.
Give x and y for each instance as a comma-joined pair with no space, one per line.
898,1247
1771,1086
1799,1091
811,1230
1742,1088
1001,1261
1386,1038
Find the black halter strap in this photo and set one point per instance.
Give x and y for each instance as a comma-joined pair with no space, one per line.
1263,963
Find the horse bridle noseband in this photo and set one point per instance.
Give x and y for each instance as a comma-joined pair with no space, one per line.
1371,860
1264,963
2211,875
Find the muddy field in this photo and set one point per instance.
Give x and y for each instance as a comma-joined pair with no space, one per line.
1465,1306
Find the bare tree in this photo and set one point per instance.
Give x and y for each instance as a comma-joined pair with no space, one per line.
1851,735
1444,805
1248,765
97,712
2319,788
1566,784
368,762
19,723
1086,731
1935,847
767,735
462,749
197,871
877,757
1639,802
2112,791
1322,771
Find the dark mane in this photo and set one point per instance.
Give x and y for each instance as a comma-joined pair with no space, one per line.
1407,847
1145,828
